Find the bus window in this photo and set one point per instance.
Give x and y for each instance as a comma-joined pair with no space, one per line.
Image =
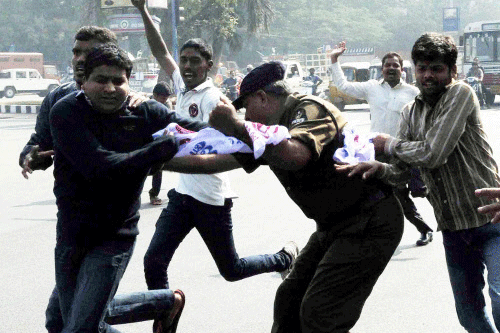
498,47
479,45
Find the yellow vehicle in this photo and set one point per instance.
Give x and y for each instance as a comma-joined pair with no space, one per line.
354,72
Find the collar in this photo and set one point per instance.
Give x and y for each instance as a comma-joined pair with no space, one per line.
420,97
382,81
207,84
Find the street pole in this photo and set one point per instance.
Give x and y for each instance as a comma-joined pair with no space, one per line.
175,51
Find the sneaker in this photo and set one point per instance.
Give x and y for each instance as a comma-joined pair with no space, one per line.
292,250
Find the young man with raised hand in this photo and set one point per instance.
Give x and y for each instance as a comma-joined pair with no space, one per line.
199,201
386,98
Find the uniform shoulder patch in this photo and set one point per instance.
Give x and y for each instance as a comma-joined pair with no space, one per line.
298,116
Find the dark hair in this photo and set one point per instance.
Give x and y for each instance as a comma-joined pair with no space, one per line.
162,88
393,55
102,35
110,55
433,46
199,45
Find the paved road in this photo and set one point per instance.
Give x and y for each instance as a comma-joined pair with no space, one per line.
412,296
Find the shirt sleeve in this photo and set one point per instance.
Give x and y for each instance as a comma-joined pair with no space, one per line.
209,102
178,81
355,89
442,136
310,124
41,136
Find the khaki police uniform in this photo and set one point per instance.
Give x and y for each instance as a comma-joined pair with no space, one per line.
360,224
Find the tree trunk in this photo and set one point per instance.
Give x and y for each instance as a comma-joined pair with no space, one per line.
92,13
217,46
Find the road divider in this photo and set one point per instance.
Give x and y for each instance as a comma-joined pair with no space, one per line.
19,108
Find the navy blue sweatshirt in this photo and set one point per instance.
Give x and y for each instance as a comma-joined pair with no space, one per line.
100,165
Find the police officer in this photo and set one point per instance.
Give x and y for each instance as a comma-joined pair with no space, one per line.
359,223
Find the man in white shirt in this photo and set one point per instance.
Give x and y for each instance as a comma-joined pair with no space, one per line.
387,98
199,201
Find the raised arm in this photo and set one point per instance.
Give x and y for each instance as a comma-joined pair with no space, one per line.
337,52
354,89
156,43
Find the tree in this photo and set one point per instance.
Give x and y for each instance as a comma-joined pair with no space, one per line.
244,28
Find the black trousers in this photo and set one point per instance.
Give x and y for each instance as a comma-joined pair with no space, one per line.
335,272
410,210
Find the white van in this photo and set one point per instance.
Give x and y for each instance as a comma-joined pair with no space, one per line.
24,80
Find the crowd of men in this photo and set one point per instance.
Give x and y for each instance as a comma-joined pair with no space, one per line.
99,135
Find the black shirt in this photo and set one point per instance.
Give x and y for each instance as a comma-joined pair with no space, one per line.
100,165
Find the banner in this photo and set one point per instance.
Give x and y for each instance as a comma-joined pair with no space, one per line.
451,19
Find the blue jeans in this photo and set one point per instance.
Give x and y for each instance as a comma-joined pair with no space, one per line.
182,214
87,280
125,308
468,252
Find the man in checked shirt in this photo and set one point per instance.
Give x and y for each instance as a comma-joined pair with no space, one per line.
441,133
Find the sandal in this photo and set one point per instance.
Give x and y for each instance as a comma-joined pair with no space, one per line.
168,324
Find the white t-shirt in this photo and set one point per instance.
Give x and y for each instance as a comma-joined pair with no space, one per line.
386,103
197,104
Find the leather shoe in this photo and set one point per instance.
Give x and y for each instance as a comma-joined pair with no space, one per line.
425,238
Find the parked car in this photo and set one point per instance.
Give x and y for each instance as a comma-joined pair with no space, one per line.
24,80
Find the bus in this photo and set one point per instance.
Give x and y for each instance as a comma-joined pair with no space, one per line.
482,40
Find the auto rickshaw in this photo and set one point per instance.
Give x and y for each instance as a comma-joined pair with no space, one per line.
354,72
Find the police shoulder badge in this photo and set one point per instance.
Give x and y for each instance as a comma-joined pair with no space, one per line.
299,117
193,110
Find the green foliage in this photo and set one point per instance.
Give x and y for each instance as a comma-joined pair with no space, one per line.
39,26
241,29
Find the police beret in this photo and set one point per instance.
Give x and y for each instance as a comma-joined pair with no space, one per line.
258,78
